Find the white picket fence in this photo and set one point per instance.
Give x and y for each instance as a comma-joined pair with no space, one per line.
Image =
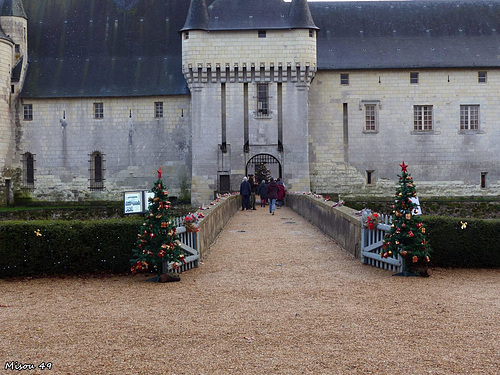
190,244
371,247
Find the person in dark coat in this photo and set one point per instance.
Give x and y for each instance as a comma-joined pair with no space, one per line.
281,193
245,191
272,195
253,186
262,191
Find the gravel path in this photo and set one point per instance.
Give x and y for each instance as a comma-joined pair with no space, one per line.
272,296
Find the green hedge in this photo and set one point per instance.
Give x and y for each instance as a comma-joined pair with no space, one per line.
83,247
475,245
66,247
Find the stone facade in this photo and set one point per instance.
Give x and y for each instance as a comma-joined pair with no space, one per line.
134,143
444,161
224,71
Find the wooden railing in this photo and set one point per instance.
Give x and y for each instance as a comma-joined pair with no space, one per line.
190,244
371,247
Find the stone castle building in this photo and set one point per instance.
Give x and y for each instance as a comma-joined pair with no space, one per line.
331,96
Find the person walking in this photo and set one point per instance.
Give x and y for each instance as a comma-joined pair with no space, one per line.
281,193
272,195
245,191
262,191
253,191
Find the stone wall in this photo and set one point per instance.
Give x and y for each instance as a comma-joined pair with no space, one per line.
216,219
340,223
445,161
280,48
134,144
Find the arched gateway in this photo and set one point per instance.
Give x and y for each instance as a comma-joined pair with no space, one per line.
270,162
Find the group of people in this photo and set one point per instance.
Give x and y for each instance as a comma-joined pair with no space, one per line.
272,192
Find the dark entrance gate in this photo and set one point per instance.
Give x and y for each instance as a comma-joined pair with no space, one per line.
270,162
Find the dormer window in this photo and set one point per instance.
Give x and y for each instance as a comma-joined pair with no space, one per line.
262,33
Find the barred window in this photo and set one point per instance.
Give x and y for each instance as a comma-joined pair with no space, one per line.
371,118
158,109
469,117
422,117
262,100
96,171
28,112
98,110
28,161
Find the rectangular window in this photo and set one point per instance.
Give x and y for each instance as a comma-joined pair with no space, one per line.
158,109
262,100
414,78
28,160
482,77
311,33
369,177
469,117
96,171
422,117
344,79
17,48
28,112
98,110
262,33
483,179
186,35
371,118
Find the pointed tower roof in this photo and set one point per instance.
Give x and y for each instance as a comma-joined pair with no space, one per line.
300,15
13,8
197,18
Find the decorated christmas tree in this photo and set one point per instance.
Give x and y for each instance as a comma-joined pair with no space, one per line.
262,173
157,240
407,234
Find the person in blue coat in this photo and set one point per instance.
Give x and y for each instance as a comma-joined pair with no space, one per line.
245,191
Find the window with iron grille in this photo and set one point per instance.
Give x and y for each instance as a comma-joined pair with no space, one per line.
422,117
262,100
96,171
28,161
371,118
469,117
344,79
414,78
98,110
28,112
482,77
158,109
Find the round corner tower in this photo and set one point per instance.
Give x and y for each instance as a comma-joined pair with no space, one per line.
248,64
13,64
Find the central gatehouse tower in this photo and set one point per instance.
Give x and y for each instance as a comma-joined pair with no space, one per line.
248,65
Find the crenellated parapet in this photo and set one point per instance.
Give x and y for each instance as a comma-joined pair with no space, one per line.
249,56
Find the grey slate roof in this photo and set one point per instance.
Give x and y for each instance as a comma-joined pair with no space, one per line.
84,48
410,34
12,8
90,48
249,15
